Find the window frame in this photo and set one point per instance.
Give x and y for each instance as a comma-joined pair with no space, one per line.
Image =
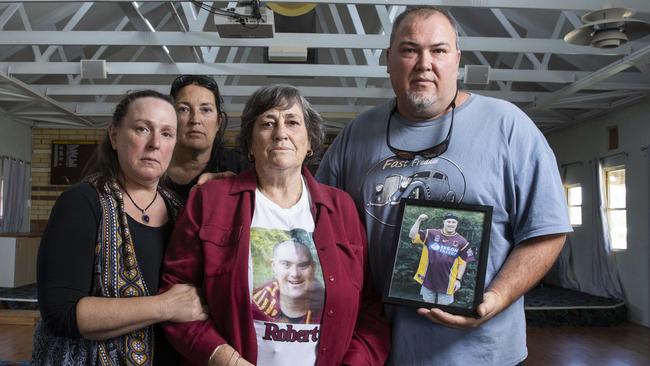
2,199
607,170
567,188
2,189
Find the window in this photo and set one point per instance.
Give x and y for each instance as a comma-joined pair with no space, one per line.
2,188
615,208
612,138
574,201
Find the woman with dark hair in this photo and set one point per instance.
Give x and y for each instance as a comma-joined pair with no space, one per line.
100,255
280,257
202,123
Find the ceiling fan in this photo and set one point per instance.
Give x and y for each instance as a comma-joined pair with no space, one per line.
608,28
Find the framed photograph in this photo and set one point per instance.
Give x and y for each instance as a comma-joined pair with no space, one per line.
439,256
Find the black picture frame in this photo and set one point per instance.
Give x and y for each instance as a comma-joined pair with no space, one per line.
469,244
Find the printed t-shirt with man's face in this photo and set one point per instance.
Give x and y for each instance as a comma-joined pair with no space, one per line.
286,282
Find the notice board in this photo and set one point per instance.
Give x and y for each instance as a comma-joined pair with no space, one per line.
69,158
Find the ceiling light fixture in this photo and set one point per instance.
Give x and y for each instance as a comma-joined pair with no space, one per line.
608,28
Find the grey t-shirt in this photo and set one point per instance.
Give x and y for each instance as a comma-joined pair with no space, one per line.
496,157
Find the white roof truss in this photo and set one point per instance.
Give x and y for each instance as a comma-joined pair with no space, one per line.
146,44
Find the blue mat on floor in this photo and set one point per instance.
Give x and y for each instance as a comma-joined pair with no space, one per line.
15,363
555,306
23,297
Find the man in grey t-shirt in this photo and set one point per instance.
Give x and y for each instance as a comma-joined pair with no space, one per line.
435,142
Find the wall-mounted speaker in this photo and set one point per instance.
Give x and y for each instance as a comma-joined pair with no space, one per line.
93,69
287,54
477,74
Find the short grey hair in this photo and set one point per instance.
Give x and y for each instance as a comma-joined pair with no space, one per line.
280,95
296,244
423,10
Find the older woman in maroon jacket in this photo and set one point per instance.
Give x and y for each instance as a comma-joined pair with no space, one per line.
281,258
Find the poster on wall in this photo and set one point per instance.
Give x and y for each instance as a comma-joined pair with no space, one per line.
69,158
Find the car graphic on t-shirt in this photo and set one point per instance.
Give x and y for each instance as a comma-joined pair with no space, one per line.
428,184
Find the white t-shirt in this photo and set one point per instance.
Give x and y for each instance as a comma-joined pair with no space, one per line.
286,282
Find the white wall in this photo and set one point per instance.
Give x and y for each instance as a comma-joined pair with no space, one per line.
586,141
16,141
7,261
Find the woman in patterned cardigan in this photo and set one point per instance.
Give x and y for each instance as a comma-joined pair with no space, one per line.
100,255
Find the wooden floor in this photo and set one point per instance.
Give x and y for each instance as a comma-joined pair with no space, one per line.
604,346
16,342
16,330
627,344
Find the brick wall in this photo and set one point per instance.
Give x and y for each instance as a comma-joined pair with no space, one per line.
43,193
230,138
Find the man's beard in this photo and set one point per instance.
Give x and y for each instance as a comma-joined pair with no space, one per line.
421,103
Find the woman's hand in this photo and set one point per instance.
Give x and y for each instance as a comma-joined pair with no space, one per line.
182,303
206,177
225,355
100,318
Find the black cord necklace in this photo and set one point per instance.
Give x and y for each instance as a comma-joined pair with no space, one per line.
145,217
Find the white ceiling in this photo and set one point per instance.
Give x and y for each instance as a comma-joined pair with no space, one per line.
557,84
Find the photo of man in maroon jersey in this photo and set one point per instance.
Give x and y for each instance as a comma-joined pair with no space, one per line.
444,258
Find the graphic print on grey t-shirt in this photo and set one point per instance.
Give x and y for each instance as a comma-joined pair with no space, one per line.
391,179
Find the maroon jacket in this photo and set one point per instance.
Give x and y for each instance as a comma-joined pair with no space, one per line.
210,246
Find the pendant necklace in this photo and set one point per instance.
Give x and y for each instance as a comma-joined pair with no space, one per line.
144,216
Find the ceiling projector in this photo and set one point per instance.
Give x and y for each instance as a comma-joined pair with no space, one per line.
245,22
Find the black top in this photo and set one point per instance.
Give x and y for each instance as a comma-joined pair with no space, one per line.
66,261
228,160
